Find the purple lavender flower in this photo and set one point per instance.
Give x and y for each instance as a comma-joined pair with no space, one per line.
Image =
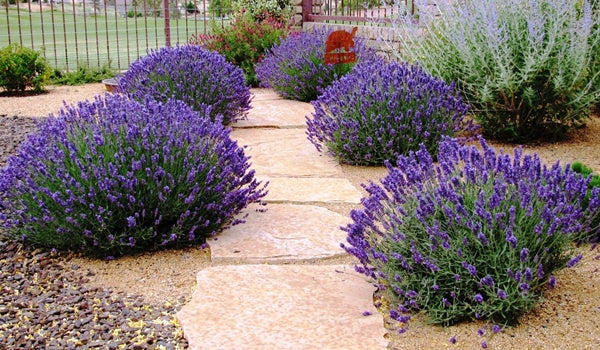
488,281
452,339
552,282
130,221
478,298
496,328
574,260
472,269
502,294
524,254
201,78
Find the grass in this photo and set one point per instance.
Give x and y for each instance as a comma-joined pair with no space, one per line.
72,35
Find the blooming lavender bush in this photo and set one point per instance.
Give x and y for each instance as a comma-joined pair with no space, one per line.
478,235
295,68
382,110
201,78
529,69
113,177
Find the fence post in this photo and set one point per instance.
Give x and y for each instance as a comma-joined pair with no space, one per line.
306,10
167,23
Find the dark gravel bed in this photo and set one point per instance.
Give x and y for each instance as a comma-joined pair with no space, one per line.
46,303
13,131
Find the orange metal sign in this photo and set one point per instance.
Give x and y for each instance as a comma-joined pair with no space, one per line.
336,42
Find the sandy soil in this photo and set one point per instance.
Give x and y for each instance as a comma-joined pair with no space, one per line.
566,319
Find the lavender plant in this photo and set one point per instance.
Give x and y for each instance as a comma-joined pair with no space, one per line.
295,68
477,236
527,68
113,177
382,110
201,78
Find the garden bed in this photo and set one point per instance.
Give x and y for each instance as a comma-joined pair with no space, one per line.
76,288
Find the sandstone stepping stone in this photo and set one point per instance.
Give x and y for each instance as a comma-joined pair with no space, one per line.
276,114
284,233
262,94
291,307
310,190
285,152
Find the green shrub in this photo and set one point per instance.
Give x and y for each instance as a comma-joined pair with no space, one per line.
114,177
21,68
82,75
244,42
525,67
477,235
261,9
132,14
219,8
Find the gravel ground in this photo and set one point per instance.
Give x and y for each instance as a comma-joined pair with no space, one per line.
45,302
13,131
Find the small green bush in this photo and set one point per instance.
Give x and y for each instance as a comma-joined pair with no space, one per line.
132,14
261,9
114,177
525,67
82,75
219,8
244,42
21,68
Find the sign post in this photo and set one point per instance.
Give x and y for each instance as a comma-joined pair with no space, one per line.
338,45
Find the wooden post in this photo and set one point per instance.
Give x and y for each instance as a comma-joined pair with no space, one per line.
167,23
306,10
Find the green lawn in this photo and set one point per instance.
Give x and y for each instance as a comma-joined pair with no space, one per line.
68,39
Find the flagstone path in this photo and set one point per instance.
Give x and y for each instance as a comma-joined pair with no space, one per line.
260,292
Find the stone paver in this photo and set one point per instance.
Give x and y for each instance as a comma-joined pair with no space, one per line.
283,114
291,307
284,233
263,303
311,190
262,94
285,152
